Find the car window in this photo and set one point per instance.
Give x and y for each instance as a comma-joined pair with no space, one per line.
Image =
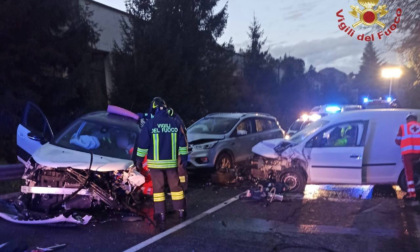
98,138
296,126
244,127
263,124
213,125
342,135
307,131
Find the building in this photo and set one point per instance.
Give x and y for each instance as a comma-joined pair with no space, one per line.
108,22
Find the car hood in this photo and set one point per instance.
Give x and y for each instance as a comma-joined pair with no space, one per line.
266,148
195,138
55,156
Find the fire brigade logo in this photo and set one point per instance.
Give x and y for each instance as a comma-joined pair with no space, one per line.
368,16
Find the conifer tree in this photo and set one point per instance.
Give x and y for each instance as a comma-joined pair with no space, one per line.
170,50
368,81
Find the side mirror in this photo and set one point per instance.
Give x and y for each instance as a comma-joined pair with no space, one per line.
37,137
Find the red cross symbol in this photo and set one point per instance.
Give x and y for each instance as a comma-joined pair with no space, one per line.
414,129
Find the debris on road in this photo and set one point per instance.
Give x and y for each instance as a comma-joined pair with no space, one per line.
265,190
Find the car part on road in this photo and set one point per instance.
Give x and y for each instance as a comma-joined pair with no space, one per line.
224,162
267,191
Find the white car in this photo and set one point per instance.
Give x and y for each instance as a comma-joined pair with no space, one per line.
88,165
356,147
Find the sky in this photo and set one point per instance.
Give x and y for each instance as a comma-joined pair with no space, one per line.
306,29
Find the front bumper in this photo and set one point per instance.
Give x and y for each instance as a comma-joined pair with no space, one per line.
201,159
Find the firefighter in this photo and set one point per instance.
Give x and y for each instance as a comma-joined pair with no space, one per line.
182,171
408,139
161,140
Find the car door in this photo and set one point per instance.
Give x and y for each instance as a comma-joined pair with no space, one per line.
32,132
243,138
335,155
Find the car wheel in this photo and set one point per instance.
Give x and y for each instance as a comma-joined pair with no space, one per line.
294,180
224,162
402,181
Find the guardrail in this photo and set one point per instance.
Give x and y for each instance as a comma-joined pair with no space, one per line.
11,171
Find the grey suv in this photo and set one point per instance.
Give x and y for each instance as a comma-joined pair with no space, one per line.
222,140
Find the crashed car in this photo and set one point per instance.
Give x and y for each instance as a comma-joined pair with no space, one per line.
356,147
88,166
222,140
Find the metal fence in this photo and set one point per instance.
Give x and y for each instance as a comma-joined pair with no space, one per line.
11,171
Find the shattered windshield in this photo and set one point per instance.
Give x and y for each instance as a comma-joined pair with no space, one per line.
308,130
213,125
98,138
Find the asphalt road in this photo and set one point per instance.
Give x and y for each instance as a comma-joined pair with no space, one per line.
326,218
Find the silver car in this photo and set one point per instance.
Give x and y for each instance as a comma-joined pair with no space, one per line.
223,140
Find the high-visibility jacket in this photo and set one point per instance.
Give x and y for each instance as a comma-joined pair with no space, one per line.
161,140
409,138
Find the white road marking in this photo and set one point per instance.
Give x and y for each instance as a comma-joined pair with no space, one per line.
181,225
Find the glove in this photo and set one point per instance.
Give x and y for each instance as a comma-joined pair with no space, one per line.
139,163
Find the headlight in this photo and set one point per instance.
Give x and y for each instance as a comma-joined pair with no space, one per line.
204,146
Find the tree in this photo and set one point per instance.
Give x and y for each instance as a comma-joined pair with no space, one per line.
45,51
409,28
170,50
368,80
259,72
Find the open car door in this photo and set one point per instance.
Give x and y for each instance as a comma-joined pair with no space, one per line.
32,132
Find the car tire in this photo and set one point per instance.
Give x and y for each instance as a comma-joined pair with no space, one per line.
224,163
402,181
293,178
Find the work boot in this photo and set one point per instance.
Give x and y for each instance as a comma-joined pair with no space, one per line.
160,221
182,215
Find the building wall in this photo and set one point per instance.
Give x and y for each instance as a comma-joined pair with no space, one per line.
108,21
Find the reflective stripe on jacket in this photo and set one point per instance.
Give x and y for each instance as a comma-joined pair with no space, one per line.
161,140
409,138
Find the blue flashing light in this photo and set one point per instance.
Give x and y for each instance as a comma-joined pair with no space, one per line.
365,100
332,109
389,99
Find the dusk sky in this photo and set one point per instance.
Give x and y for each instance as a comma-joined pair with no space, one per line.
306,29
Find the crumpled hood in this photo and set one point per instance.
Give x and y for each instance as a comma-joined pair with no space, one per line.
266,148
55,156
193,137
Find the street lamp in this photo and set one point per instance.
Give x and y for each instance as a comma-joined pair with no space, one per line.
391,73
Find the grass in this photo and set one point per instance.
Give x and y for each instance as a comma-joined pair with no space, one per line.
10,186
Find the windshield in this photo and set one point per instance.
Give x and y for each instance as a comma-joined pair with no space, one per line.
213,125
296,126
98,138
308,130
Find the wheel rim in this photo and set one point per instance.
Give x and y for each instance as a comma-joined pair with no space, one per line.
290,180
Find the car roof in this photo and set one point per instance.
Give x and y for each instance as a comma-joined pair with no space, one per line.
240,115
366,114
113,119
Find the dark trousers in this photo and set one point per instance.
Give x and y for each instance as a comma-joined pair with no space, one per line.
177,194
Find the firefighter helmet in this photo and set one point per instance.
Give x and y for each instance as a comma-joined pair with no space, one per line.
158,102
